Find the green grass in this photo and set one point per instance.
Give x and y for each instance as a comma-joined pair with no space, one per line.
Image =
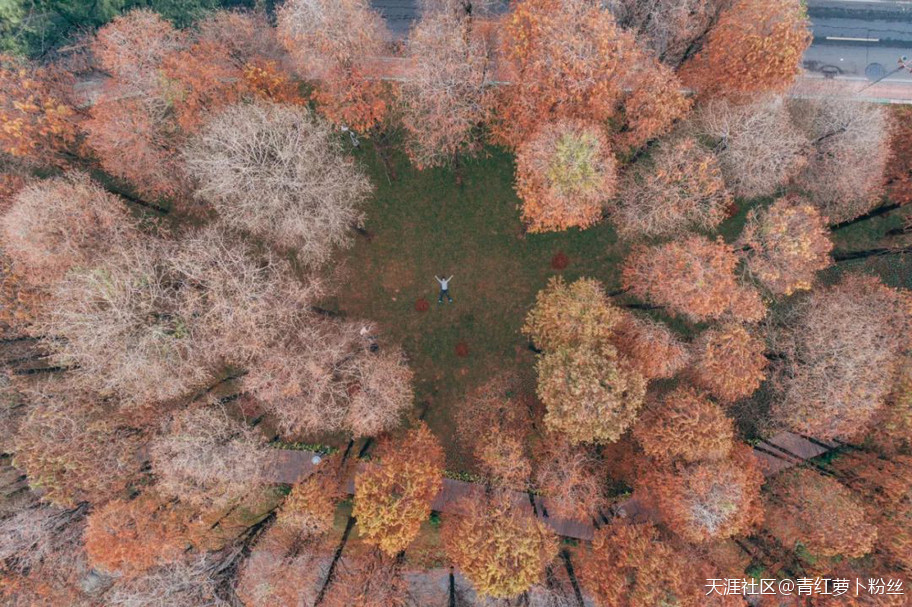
424,224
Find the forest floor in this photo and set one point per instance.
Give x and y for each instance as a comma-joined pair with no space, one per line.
423,223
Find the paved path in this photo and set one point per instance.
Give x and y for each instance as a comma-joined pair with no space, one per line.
774,455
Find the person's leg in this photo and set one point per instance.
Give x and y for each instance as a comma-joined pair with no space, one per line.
440,299
448,296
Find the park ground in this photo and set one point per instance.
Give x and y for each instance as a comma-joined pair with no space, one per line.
422,223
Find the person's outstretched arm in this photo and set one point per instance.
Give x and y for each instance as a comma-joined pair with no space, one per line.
437,278
450,278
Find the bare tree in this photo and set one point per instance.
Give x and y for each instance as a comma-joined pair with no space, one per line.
158,319
277,172
38,532
206,458
443,98
671,28
844,175
840,351
190,584
61,223
324,377
758,147
679,190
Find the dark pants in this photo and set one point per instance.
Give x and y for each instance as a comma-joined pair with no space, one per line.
444,293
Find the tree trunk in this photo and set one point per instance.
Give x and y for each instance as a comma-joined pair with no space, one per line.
572,575
332,566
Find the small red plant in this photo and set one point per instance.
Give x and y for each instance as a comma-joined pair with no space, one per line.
462,349
422,305
560,261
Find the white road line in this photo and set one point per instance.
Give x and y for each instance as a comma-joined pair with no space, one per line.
848,39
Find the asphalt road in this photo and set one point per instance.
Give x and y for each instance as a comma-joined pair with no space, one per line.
853,39
860,39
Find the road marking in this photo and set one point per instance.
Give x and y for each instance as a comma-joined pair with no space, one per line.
848,39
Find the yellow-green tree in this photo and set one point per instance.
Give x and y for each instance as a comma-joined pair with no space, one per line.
502,550
393,497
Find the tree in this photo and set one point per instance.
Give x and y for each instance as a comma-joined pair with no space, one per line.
77,449
38,122
131,128
324,377
729,361
39,536
214,69
495,423
682,189
310,508
207,459
572,479
630,566
685,426
374,580
841,351
271,578
891,430
501,549
654,104
707,500
758,146
786,244
393,497
62,223
190,583
276,172
443,99
754,46
807,507
335,42
158,319
570,314
590,392
563,59
131,537
565,176
845,173
693,277
898,177
670,28
650,346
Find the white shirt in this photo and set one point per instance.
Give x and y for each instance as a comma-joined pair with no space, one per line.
444,282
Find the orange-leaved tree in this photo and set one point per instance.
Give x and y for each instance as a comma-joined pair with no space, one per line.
443,99
786,244
337,43
684,425
729,361
707,500
754,46
565,176
38,121
651,346
694,277
572,478
393,495
805,506
132,536
501,549
563,59
631,566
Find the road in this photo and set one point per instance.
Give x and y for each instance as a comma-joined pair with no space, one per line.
855,42
860,39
